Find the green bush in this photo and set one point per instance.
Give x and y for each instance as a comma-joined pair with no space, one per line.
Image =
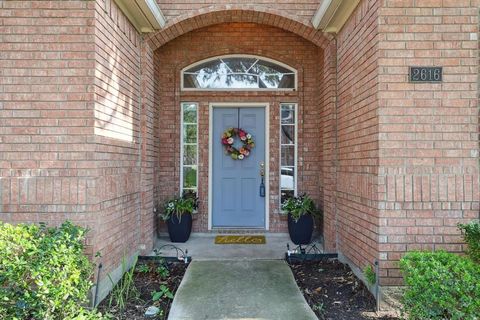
440,285
471,234
44,273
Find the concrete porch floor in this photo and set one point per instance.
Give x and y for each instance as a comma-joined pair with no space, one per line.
202,247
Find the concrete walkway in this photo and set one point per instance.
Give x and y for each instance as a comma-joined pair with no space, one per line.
240,290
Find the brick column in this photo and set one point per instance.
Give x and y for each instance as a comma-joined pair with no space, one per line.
428,140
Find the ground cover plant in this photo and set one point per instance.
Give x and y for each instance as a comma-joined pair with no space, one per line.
44,273
147,283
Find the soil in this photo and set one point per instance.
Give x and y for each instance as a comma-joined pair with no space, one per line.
146,281
334,292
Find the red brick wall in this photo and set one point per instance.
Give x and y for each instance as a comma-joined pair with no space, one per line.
238,38
89,117
303,10
123,135
328,155
70,115
46,112
357,136
428,160
226,13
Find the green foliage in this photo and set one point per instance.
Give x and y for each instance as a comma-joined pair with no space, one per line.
164,292
84,314
471,234
440,285
299,206
162,271
370,275
179,207
125,288
190,178
44,273
143,268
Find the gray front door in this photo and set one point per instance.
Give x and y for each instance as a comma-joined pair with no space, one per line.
237,201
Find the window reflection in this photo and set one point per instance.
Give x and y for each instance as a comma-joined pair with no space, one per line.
236,72
288,147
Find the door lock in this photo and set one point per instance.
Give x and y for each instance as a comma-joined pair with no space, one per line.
262,184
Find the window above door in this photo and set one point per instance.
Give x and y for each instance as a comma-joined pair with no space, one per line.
239,72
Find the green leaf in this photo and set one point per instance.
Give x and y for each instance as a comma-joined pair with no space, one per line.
156,295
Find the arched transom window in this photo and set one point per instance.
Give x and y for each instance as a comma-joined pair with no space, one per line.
239,72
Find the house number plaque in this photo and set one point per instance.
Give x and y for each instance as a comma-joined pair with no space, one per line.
425,74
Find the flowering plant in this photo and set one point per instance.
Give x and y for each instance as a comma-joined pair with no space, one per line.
228,140
179,207
299,206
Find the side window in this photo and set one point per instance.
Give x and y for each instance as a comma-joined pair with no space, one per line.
288,151
189,149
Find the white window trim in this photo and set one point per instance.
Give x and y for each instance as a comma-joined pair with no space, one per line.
295,153
286,66
182,144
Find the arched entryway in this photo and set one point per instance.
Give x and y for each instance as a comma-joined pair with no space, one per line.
273,36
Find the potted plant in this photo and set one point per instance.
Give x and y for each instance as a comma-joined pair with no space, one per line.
300,212
178,215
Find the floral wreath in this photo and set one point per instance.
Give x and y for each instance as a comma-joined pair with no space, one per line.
228,139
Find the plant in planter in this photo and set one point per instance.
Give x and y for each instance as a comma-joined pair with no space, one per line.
191,194
300,212
178,215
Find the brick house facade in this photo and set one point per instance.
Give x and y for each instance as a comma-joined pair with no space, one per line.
90,118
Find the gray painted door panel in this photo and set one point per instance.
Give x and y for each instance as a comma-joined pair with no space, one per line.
236,183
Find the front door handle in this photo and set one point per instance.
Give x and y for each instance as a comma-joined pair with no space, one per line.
262,184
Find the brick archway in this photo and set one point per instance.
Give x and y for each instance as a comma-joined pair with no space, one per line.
235,13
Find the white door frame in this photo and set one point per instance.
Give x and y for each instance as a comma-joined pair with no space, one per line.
264,105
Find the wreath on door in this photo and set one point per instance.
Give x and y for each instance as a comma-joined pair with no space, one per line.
228,141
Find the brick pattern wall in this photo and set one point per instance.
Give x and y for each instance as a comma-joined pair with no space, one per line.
226,13
70,115
428,161
89,118
123,135
46,112
148,153
357,136
239,38
303,10
328,156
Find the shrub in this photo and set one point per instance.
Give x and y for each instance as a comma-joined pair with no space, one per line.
440,285
471,235
44,273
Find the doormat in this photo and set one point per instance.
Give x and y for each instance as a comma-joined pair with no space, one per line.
240,239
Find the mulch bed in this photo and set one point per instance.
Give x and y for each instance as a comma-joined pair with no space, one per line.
147,282
333,291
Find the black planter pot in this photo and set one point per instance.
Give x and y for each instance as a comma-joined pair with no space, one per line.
300,231
179,231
